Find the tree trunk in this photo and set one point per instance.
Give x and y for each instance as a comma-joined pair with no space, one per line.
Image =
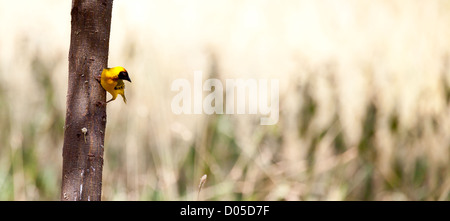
84,129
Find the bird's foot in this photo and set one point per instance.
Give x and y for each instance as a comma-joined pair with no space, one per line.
101,104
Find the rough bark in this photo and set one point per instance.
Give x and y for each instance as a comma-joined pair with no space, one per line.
85,109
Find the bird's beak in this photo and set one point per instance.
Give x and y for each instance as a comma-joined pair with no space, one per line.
124,76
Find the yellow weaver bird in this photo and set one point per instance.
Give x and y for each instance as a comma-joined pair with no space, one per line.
112,81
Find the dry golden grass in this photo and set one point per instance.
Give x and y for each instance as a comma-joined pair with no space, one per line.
364,100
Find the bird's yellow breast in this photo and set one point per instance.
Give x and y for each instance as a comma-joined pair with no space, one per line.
108,82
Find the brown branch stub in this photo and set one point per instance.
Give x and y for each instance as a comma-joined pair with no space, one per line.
84,139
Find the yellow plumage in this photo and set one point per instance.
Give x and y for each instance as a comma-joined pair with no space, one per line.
112,81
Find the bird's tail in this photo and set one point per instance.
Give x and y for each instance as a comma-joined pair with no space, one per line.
124,98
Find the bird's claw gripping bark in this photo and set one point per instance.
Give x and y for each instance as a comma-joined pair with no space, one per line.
98,78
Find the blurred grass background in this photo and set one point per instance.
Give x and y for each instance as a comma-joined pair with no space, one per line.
364,100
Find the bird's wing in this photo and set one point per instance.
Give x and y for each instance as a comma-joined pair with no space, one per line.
120,85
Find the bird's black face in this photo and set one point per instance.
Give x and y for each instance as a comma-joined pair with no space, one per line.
124,76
